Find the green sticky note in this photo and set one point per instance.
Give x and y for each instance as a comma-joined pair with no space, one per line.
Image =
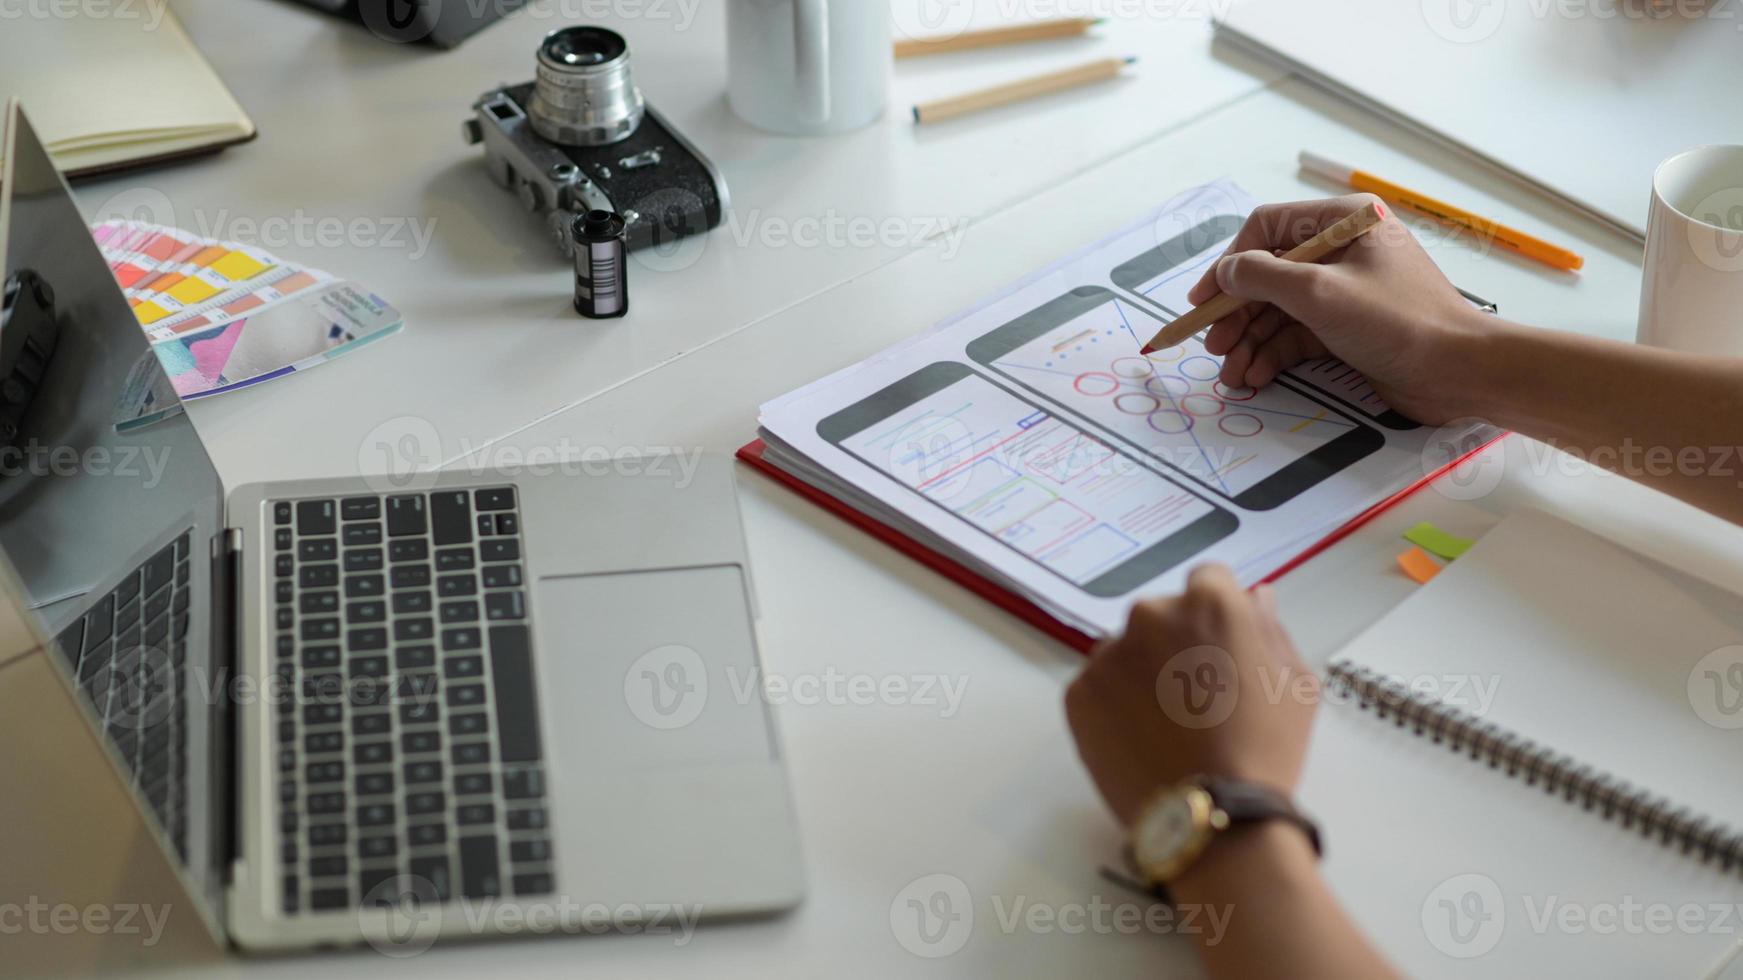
1437,542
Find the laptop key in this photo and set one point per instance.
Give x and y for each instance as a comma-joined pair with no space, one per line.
415,743
317,576
366,611
315,517
501,576
411,577
375,815
534,884
414,657
476,813
470,754
374,784
360,508
479,877
474,723
413,629
363,586
523,784
317,549
328,867
464,638
329,898
372,753
360,534
505,605
410,549
453,585
434,871
159,570
529,851
371,723
498,498
420,804
464,611
363,559
454,559
317,603
374,889
406,516
499,549
281,512
377,847
451,517
428,834
328,834
531,818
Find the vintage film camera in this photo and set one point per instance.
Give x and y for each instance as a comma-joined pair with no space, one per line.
579,138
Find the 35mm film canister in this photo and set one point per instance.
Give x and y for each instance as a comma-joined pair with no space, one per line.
601,265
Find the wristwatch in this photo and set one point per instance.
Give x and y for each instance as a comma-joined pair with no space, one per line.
1176,826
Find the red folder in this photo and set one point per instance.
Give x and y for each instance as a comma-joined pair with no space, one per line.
1011,602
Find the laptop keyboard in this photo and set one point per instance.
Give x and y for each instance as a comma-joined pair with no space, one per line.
130,653
407,730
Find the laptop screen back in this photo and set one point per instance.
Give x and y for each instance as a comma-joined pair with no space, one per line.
83,505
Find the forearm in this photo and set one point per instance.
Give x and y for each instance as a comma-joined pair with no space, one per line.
1671,420
1281,919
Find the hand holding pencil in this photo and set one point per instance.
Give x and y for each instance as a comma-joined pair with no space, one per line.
1379,303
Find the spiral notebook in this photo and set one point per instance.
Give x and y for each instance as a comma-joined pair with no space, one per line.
1559,659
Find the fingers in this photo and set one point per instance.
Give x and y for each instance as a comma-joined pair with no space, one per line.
1278,228
1239,358
1288,347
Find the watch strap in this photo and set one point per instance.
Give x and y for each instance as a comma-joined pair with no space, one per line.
1248,802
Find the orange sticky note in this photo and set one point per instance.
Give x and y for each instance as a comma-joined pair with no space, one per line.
1419,566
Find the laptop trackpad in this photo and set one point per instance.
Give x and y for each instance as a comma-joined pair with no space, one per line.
651,668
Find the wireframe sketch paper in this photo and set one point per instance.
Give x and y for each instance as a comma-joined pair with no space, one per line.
1028,439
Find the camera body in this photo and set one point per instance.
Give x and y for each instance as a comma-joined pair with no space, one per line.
580,139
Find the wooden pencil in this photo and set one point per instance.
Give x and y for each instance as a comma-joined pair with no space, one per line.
1046,30
1314,249
1019,91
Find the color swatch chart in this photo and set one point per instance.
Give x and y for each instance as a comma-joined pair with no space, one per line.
178,282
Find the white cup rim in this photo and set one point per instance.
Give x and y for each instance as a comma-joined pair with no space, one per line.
1680,157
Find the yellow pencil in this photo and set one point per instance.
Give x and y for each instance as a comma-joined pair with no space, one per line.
1511,239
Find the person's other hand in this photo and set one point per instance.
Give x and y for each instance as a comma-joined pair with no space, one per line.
1381,305
1203,684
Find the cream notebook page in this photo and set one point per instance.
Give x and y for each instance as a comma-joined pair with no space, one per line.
107,89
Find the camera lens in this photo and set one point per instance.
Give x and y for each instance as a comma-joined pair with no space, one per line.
585,95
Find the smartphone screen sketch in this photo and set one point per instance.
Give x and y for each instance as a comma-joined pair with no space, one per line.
1028,478
1259,448
1163,274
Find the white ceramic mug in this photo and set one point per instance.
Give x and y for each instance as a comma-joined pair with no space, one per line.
808,67
1691,293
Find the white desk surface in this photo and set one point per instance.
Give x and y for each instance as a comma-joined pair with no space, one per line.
495,363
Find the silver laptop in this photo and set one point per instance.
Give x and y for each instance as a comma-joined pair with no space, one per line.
385,710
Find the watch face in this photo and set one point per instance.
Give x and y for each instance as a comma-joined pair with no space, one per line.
1167,832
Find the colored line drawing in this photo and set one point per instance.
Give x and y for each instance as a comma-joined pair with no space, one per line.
1134,367
1167,382
1209,365
1307,422
1216,404
1170,422
1069,341
1099,375
1232,426
1121,402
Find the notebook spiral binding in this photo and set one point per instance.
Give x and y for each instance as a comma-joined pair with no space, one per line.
1484,741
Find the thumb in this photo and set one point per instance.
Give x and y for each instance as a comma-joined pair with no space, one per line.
1260,276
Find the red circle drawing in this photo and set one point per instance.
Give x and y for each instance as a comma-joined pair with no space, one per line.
1147,402
1135,367
1170,422
1196,408
1227,394
1112,382
1243,425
